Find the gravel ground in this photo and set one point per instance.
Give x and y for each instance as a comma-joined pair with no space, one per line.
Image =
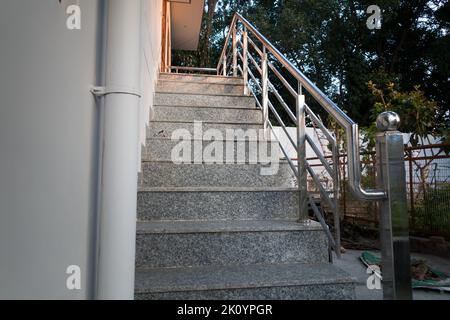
351,263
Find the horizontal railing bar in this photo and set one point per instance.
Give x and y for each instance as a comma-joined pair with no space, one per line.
321,157
254,62
240,69
280,121
322,222
254,79
229,63
282,79
255,47
320,186
192,68
240,56
283,103
317,121
293,167
256,98
227,40
239,42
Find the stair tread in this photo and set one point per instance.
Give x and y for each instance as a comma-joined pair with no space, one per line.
217,189
206,83
224,139
187,75
178,227
204,98
238,277
231,107
209,122
205,94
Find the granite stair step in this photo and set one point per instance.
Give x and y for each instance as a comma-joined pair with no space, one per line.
201,78
238,151
204,100
170,174
165,129
167,244
254,282
190,114
181,86
171,204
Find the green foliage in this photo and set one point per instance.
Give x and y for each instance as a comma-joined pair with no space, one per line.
329,41
418,114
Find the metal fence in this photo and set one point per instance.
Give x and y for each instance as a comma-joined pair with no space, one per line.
428,191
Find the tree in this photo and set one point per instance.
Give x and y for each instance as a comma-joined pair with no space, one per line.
205,56
418,116
329,41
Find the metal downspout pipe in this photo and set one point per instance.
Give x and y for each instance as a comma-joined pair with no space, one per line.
117,230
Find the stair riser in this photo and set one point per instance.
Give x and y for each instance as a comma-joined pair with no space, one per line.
195,100
187,114
338,291
167,174
202,88
203,79
238,152
230,248
166,129
227,205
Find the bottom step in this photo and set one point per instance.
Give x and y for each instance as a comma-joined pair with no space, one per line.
252,282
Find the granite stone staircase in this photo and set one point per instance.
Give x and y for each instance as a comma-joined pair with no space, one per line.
223,230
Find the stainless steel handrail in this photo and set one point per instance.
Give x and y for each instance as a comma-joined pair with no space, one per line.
350,127
391,179
178,68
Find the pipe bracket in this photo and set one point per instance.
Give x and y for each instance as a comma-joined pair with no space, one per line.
103,91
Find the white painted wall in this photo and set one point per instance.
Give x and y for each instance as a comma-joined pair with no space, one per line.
49,141
151,57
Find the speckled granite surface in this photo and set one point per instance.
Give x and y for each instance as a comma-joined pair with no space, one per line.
200,78
168,174
185,244
167,113
330,291
166,129
218,205
240,151
194,100
273,281
206,87
223,231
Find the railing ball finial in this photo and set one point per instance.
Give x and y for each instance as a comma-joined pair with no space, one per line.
388,121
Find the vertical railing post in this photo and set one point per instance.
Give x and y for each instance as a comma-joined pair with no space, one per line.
394,220
336,213
235,51
344,185
224,65
411,191
301,157
245,62
265,90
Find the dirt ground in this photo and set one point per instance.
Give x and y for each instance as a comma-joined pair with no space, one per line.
351,263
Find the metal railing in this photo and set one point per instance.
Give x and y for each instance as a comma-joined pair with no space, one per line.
258,65
240,35
177,69
428,190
